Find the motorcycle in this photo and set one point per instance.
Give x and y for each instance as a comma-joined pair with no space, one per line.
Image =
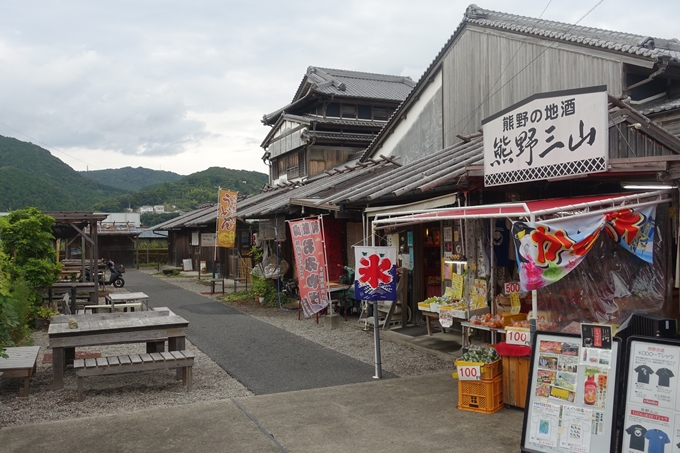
115,275
289,287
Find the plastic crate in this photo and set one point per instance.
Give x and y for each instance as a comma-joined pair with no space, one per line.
485,397
489,370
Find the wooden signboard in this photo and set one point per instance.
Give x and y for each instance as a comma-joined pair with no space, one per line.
187,265
570,407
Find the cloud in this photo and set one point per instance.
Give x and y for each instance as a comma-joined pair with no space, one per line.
184,85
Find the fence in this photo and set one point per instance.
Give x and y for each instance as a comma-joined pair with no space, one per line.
148,256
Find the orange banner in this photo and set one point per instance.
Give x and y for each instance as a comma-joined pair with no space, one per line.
226,225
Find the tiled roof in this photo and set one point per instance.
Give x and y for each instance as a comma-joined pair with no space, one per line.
624,42
346,84
337,136
613,41
661,105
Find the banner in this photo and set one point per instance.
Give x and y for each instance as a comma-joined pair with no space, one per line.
548,252
310,260
376,276
226,225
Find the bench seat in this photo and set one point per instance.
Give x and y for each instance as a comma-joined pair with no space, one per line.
134,362
20,362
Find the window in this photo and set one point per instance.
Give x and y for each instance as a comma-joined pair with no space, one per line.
380,113
349,111
333,110
364,112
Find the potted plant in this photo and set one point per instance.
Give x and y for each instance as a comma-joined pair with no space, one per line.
260,288
42,315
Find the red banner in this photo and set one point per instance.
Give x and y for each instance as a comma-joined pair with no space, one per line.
310,260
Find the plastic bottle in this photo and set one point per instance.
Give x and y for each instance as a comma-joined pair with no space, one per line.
590,391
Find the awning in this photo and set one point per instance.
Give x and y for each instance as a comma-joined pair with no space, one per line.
546,209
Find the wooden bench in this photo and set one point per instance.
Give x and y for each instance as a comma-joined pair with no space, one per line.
109,308
21,362
134,362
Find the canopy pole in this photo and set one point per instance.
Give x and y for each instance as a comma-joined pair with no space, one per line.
533,322
376,322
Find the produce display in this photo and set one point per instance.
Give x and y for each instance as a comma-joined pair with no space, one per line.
488,320
477,354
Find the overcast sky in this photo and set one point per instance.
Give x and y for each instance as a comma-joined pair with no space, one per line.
182,85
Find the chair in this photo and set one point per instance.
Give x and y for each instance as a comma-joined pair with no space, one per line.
65,308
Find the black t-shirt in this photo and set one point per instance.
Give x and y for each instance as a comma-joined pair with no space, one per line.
643,372
637,437
665,376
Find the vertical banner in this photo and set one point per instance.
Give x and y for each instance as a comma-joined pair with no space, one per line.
310,259
226,225
376,276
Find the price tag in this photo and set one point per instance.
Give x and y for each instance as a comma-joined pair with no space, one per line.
512,287
517,336
469,373
515,303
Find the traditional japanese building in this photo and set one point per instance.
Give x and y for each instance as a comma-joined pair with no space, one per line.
333,114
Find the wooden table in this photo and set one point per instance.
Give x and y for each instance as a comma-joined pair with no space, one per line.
431,316
116,298
150,327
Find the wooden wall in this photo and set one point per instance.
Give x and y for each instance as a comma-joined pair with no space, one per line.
474,64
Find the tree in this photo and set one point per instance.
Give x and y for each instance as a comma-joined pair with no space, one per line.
27,265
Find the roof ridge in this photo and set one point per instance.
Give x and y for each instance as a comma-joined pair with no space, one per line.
364,75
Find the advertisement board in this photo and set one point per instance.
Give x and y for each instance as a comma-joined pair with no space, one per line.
570,407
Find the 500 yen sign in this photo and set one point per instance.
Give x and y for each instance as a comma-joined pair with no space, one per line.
469,373
520,337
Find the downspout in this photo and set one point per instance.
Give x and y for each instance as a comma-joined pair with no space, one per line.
663,65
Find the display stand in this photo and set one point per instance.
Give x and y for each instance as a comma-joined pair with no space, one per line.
557,418
651,406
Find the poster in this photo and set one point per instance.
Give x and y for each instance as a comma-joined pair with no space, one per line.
574,402
651,410
457,286
596,344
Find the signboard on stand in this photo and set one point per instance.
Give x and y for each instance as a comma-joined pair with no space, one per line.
570,407
651,403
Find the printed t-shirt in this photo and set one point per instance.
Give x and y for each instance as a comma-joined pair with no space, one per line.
665,376
657,440
637,437
643,372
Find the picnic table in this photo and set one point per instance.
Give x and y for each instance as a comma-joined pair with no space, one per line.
150,327
130,298
73,288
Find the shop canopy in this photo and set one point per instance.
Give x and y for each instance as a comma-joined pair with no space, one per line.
543,210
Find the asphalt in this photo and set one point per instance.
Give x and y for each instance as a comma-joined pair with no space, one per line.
344,410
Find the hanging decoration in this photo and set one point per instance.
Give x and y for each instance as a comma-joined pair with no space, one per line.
376,276
310,259
548,252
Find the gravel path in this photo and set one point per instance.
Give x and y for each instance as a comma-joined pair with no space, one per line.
135,391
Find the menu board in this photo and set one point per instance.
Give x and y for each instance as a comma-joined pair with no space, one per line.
570,406
651,397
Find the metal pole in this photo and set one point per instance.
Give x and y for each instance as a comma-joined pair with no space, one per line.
376,337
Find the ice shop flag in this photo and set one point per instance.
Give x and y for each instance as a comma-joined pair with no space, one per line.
376,276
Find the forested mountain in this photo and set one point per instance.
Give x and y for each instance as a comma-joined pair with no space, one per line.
190,191
31,176
131,179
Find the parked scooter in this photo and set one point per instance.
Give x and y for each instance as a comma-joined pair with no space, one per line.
115,275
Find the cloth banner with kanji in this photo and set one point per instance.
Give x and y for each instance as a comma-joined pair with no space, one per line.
310,260
376,275
226,225
548,252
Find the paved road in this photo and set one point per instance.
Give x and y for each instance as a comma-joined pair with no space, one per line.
262,357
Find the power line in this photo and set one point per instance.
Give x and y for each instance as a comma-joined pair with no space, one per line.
45,144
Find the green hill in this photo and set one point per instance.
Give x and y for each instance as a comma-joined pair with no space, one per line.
190,191
131,179
31,176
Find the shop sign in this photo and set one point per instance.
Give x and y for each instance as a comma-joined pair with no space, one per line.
548,135
208,239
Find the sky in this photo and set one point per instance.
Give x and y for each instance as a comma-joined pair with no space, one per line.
182,85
